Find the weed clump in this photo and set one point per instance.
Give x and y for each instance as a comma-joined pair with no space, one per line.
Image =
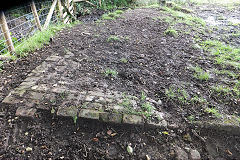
110,73
113,38
200,74
171,32
112,15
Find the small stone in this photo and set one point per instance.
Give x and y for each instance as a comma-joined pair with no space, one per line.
159,102
29,149
132,119
194,155
129,149
180,154
148,157
34,87
89,98
10,99
53,58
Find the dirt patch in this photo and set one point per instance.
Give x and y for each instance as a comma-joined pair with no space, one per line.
144,59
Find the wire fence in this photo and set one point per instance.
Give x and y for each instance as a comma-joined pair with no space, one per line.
21,22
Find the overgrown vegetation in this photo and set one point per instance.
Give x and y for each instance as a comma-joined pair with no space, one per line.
224,55
171,32
130,102
39,39
110,73
112,15
113,38
200,74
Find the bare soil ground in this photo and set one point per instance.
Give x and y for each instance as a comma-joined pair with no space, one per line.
154,62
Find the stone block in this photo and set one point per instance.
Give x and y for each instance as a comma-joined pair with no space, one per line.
118,108
158,124
26,112
59,89
111,117
10,99
26,85
133,119
96,93
96,106
65,111
194,155
40,87
53,58
87,113
35,95
18,92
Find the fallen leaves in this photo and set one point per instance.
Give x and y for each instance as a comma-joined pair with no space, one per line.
110,133
95,139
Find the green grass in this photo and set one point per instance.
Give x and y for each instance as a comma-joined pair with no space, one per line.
222,90
113,38
170,93
180,17
213,111
112,15
178,95
39,39
143,96
200,74
223,2
171,32
177,7
230,91
224,54
147,107
110,73
229,73
236,34
198,100
1,66
181,23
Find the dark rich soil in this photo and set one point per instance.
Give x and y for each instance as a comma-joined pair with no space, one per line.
155,62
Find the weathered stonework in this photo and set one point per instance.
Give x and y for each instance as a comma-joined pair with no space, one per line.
111,117
26,112
47,88
91,114
133,119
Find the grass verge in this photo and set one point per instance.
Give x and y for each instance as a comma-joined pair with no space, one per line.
39,39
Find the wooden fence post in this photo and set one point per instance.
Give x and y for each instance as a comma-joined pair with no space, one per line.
60,8
35,14
6,32
68,13
50,13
